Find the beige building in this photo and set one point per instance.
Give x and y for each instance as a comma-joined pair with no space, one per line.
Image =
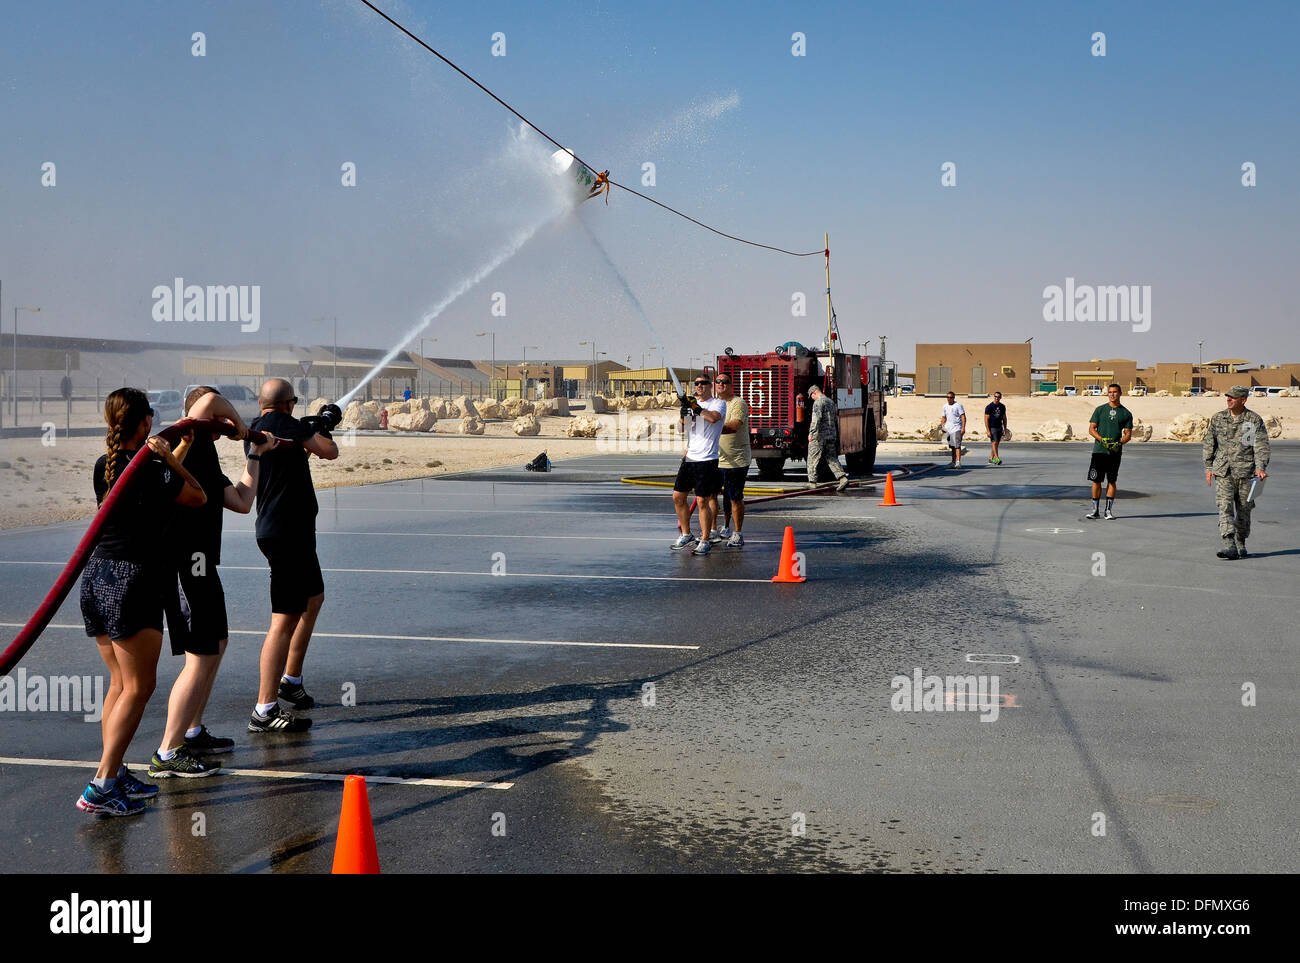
972,369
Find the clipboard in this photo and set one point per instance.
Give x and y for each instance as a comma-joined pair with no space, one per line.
1256,489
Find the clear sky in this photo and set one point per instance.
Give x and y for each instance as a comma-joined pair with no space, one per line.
225,169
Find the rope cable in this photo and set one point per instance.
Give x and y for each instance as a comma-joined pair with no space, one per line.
605,174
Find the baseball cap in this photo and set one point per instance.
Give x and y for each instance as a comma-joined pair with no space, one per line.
1236,391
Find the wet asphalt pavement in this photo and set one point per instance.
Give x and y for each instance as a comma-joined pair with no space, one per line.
717,714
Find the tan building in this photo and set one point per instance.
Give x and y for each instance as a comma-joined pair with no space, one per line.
1097,371
972,369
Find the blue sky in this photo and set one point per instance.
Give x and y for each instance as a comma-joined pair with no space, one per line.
225,170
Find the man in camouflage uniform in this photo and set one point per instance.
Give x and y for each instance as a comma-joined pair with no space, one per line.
1235,450
823,430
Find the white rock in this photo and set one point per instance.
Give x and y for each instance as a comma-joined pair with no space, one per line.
1188,427
359,416
1162,393
1274,425
421,420
470,425
316,405
490,408
526,425
466,408
583,426
882,430
1141,430
639,427
514,407
1052,431
398,408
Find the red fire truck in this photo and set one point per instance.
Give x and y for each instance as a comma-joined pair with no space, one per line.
776,386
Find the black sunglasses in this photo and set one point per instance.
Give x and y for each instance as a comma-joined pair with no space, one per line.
723,381
701,383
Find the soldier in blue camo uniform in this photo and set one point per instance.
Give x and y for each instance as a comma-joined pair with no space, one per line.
1235,450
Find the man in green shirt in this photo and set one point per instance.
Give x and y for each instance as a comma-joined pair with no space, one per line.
1111,427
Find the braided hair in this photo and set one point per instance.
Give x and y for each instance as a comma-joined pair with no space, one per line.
124,411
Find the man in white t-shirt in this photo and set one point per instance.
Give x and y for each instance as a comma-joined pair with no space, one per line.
699,472
953,424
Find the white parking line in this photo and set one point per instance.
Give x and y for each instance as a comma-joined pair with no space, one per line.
583,538
423,571
281,774
431,638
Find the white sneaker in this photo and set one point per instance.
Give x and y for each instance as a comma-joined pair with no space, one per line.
714,537
736,541
724,531
702,548
683,541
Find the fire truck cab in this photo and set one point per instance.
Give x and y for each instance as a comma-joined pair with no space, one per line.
776,386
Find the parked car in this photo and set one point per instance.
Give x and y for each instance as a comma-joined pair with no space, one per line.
1070,391
1093,391
166,405
1138,391
1275,391
244,399
1197,392
906,389
1259,391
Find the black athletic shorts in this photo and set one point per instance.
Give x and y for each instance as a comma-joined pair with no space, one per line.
733,483
1104,466
995,432
295,571
701,477
120,598
196,613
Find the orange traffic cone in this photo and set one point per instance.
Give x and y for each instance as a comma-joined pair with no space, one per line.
355,851
890,500
789,571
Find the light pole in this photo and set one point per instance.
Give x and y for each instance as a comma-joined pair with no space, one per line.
14,388
335,392
492,378
591,387
523,370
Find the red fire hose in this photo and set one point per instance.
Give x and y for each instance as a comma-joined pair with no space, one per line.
37,623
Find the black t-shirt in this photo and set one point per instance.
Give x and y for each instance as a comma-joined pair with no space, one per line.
135,530
199,529
997,413
286,498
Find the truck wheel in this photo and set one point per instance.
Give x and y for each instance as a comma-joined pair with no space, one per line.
864,462
771,469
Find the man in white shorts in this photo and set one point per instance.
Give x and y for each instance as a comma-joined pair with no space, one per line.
953,423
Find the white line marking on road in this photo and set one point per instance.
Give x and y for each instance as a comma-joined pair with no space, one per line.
1055,531
420,571
433,638
995,657
282,774
584,538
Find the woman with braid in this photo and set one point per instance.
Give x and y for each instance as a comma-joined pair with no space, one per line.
122,590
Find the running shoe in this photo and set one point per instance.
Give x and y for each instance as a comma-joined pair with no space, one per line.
736,541
1110,515
991,461
277,720
295,695
683,541
112,802
714,536
703,548
206,744
133,787
724,531
181,764
997,461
